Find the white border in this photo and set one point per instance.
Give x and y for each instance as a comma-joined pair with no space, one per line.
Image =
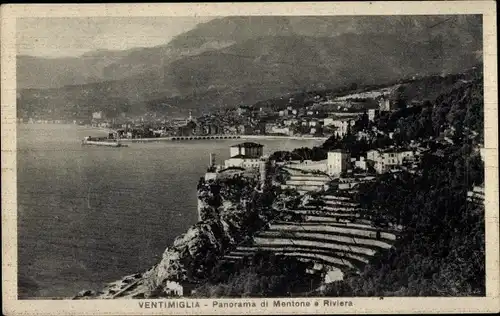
9,13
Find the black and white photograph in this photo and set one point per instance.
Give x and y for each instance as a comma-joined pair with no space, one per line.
198,157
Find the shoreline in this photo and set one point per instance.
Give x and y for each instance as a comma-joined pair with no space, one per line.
96,128
194,137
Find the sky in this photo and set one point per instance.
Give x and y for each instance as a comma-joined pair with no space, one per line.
61,37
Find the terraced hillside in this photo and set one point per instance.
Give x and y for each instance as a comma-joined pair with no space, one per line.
337,237
305,181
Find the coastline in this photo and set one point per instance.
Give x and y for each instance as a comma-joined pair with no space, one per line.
96,128
194,137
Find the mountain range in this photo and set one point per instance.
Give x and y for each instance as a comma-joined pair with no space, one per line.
242,60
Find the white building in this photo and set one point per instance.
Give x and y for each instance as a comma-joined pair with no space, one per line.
337,162
210,176
241,162
279,130
341,125
388,159
246,155
283,112
372,114
173,288
359,163
387,104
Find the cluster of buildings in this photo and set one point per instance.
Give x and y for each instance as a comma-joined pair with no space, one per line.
314,117
376,161
339,168
293,120
313,120
248,157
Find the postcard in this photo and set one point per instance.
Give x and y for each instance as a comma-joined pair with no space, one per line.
250,158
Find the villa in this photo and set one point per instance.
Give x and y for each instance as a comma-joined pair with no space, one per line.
245,155
390,158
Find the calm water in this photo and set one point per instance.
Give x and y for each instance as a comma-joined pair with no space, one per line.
90,215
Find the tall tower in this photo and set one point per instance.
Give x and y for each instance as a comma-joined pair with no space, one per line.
212,159
263,172
338,162
190,118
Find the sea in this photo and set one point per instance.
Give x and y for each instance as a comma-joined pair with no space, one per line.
91,215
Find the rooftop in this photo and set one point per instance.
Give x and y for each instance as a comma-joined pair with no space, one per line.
243,157
391,149
338,151
248,145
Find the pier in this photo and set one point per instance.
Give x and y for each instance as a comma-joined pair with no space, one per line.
178,138
217,137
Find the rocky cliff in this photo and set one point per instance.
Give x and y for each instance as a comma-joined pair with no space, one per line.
231,210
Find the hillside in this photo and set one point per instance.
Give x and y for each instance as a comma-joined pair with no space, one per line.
306,62
238,29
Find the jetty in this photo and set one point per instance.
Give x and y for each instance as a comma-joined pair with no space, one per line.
178,138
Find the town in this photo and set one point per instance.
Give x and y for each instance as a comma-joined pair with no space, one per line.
305,114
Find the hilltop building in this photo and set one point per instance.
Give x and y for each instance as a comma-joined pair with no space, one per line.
387,104
245,155
338,161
